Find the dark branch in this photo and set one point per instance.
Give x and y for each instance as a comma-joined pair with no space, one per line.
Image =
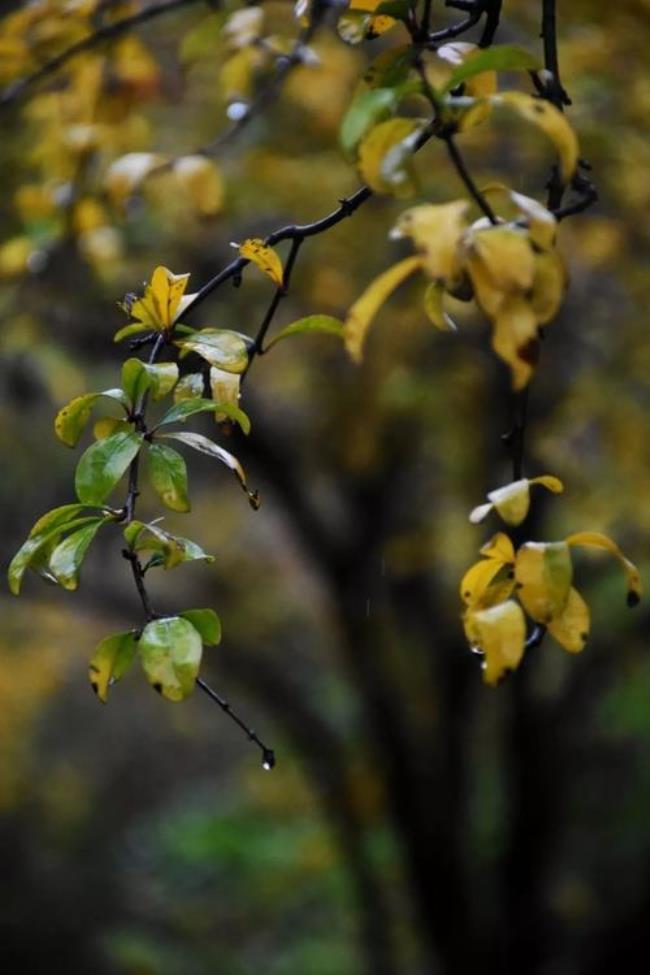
464,174
268,755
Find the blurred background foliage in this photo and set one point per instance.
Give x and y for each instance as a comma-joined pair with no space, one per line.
417,821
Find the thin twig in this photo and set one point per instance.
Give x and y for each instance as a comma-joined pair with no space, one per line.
268,755
464,174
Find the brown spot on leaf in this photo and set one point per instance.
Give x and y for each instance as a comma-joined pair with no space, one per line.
529,352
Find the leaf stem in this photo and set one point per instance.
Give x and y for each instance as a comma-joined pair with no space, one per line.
465,176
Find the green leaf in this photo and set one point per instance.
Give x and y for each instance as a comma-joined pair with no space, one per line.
207,623
220,347
168,474
173,549
128,330
103,464
198,442
170,650
31,550
312,323
57,517
71,420
368,108
502,57
65,561
188,407
110,661
139,376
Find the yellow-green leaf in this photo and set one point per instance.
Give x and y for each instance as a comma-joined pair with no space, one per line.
324,324
515,339
110,661
170,650
543,574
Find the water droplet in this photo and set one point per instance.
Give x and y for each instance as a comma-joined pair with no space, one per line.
268,759
236,111
476,649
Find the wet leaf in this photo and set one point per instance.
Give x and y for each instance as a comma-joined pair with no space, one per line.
598,540
225,387
477,579
170,650
103,464
207,623
499,547
168,475
110,661
363,311
264,257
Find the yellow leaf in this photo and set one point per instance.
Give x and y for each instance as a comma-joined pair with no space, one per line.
551,121
548,481
542,225
162,299
225,389
543,574
515,339
500,262
512,502
571,627
433,306
500,632
265,258
368,304
477,578
549,286
385,156
499,547
435,231
597,540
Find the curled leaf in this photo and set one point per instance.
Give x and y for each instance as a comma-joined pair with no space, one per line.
598,540
551,121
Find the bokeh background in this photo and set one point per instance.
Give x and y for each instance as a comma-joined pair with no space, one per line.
417,821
